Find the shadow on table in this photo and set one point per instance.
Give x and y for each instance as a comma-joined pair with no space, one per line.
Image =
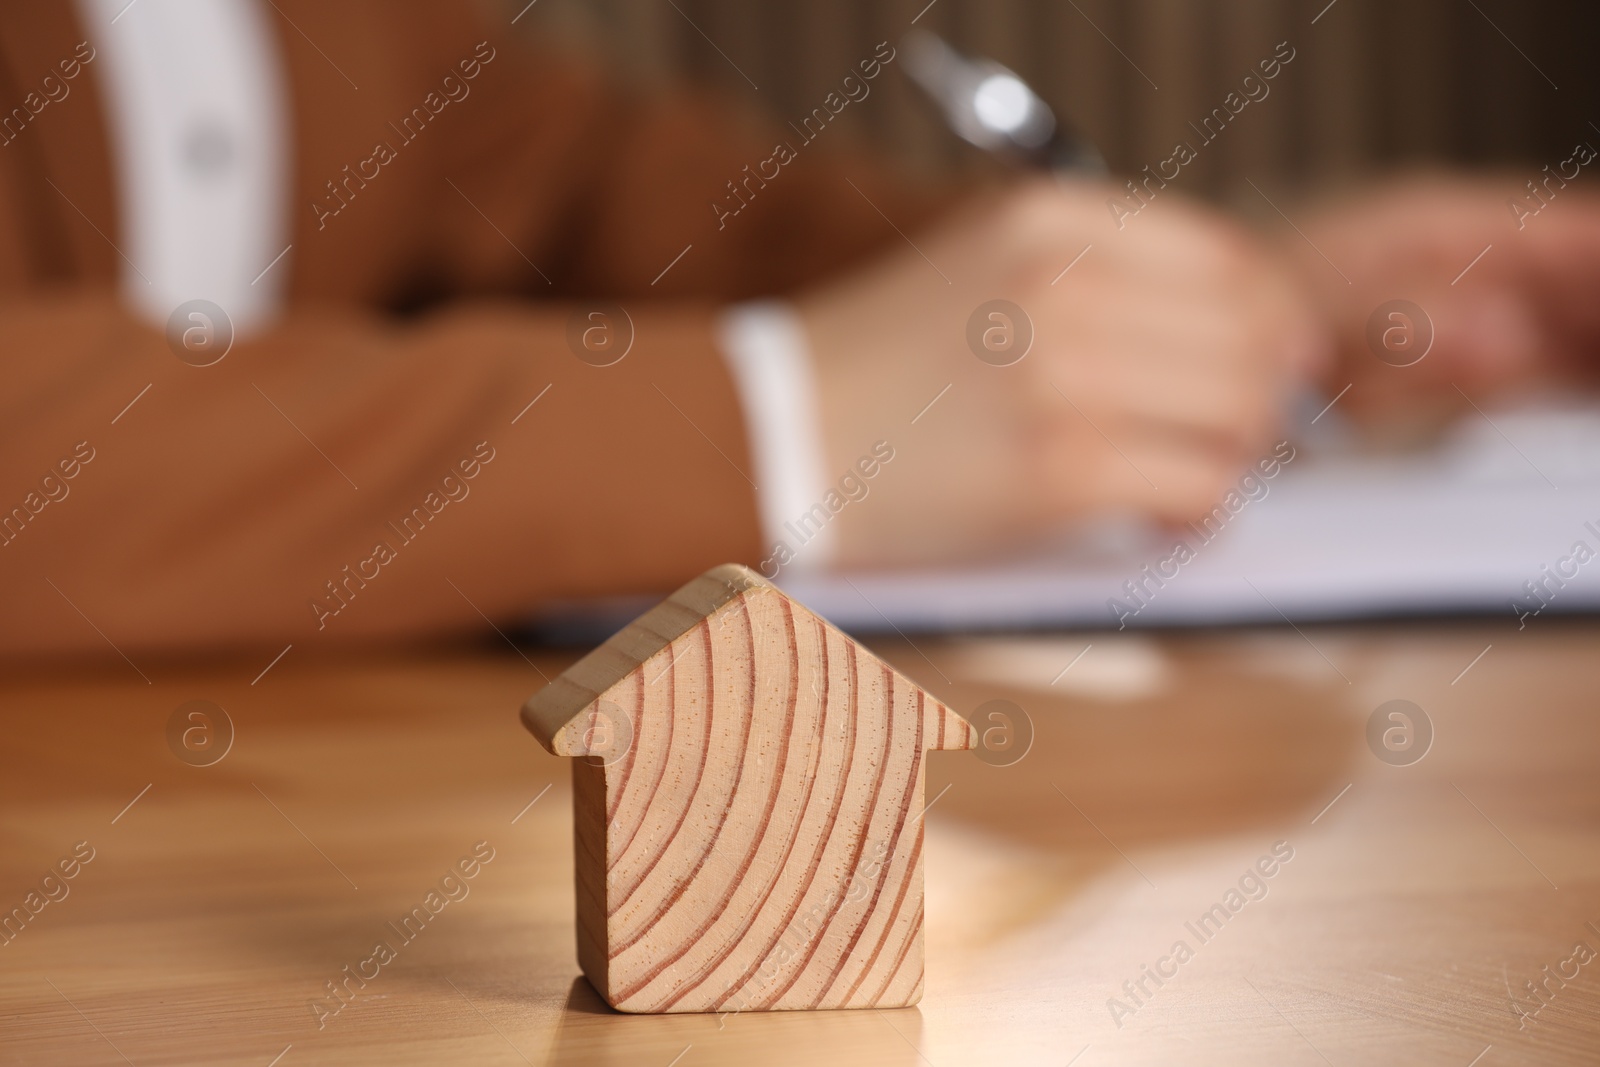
593,1034
1229,745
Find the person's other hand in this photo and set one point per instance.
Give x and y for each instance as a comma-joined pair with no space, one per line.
1522,315
1158,370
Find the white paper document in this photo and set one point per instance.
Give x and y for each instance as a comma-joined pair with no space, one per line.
1502,518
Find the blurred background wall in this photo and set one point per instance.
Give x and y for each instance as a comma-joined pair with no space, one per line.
1375,84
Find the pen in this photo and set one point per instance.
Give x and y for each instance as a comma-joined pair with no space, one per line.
989,106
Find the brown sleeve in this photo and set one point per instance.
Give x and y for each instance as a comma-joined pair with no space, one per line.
297,490
217,508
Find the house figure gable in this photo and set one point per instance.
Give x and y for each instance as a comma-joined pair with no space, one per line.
748,796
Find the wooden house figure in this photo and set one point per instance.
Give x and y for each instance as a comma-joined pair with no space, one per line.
748,798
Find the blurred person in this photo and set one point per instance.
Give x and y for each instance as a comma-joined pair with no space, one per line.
1504,268
410,219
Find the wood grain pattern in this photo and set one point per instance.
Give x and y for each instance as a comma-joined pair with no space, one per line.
206,921
757,842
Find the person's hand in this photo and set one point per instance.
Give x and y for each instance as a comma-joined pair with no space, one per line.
1159,367
1522,315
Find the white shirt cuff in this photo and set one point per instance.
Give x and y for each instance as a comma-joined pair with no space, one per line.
766,349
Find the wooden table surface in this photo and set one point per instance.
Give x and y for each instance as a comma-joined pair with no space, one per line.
1419,902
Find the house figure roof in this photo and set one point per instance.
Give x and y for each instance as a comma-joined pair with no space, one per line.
747,800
